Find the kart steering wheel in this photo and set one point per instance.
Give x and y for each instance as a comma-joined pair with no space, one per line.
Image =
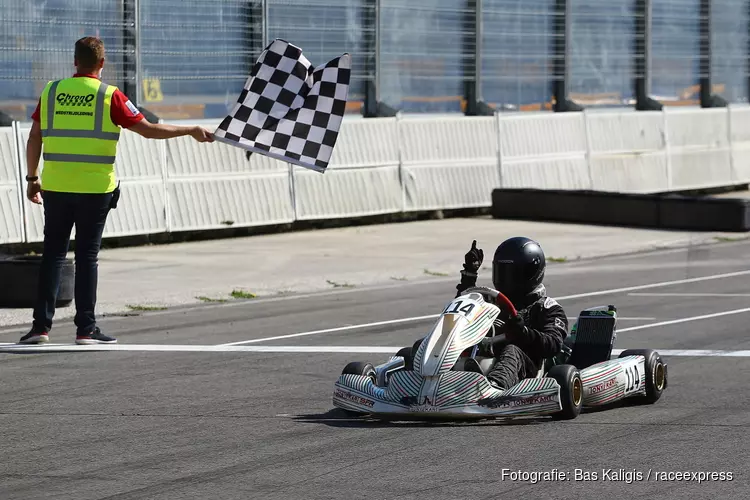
500,300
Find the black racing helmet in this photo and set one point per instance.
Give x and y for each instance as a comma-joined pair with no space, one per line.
518,267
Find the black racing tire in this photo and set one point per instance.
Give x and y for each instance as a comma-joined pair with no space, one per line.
571,391
656,373
358,368
406,353
361,368
415,347
20,279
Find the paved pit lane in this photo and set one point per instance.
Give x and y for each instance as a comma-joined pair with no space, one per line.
156,422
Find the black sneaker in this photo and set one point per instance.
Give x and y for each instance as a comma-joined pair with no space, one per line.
95,337
34,337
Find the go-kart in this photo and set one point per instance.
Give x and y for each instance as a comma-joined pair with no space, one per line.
429,379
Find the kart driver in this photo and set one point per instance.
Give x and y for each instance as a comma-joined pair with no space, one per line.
538,330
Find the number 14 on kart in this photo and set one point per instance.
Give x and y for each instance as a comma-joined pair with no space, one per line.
463,306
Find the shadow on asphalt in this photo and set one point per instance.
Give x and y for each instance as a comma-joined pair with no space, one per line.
339,418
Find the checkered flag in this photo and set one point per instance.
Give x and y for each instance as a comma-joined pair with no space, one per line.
290,110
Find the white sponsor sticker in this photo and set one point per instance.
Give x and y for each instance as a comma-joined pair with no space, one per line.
549,302
132,108
559,323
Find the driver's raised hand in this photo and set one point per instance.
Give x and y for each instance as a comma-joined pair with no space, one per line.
473,259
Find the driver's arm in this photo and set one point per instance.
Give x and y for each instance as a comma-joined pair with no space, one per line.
546,338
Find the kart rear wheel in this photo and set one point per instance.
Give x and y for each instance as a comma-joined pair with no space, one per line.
656,373
571,391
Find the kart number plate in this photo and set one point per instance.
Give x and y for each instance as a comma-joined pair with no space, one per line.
463,306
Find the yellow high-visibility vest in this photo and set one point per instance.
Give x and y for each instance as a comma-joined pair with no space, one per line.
78,136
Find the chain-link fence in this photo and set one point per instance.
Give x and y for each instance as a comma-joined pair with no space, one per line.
602,52
190,58
517,52
37,40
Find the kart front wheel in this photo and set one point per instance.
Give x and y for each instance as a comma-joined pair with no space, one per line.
406,353
361,368
571,391
656,373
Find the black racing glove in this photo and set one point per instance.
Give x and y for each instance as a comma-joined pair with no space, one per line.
515,330
473,260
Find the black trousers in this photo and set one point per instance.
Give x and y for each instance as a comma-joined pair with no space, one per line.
511,366
88,212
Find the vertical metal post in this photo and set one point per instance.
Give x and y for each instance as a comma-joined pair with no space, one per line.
129,50
369,49
648,37
378,44
747,58
138,56
705,53
265,23
472,67
642,57
479,33
707,98
469,46
373,38
563,21
254,23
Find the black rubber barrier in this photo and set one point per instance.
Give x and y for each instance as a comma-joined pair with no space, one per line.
19,278
623,209
593,207
705,214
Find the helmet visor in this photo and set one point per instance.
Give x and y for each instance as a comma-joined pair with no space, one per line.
507,277
514,280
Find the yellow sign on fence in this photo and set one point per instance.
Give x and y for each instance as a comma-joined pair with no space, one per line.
152,90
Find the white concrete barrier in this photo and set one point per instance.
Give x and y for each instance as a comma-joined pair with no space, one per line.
213,186
362,177
11,219
33,215
140,166
543,151
628,151
448,163
739,130
392,165
699,150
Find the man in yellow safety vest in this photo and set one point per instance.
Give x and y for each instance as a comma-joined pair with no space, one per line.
77,122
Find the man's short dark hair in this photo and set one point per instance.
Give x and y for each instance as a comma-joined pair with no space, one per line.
89,51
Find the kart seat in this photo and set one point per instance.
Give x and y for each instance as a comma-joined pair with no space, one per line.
594,337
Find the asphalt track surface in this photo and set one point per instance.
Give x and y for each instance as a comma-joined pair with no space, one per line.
168,424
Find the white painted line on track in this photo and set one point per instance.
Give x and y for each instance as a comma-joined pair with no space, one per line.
683,320
435,316
677,294
42,348
369,325
51,348
656,285
337,329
